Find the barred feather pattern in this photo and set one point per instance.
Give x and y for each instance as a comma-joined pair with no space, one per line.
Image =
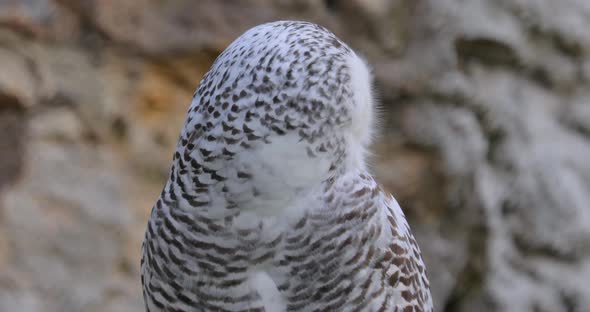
269,206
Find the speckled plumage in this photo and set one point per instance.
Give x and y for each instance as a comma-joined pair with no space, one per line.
269,206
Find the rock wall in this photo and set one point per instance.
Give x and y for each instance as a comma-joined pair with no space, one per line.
485,138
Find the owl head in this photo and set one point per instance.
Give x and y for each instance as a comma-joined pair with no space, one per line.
285,107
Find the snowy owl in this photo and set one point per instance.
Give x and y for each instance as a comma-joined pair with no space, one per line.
269,205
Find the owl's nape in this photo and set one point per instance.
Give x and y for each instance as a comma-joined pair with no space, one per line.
268,205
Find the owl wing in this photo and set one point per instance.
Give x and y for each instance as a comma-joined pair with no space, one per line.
404,273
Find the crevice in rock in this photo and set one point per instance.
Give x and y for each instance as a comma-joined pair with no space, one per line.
470,282
575,127
93,36
12,134
563,45
62,100
540,32
493,53
486,51
119,128
569,302
529,249
331,5
58,100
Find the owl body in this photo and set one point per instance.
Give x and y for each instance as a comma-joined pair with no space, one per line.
269,206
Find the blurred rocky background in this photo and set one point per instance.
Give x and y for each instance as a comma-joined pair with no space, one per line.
485,138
